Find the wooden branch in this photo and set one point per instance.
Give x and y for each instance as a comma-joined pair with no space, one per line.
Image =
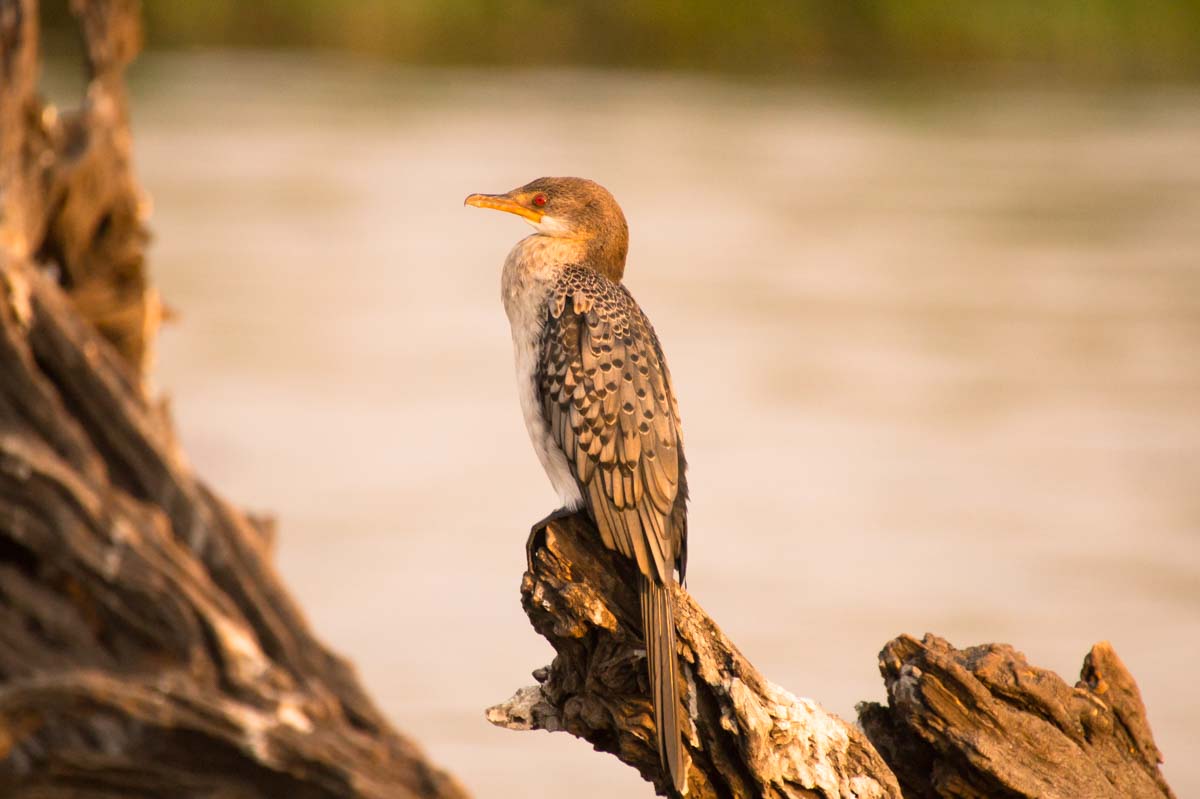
979,722
748,737
147,647
982,722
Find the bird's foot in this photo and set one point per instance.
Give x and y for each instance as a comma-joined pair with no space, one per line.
535,538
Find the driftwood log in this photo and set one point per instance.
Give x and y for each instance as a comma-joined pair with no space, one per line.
147,647
978,722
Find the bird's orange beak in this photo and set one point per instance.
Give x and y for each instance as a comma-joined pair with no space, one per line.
504,202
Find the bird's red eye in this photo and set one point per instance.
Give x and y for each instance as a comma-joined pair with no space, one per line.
539,200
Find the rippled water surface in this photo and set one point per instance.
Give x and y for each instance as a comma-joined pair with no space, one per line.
938,357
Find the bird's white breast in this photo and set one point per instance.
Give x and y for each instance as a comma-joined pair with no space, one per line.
525,286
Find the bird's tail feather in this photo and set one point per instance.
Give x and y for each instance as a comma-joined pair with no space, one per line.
658,624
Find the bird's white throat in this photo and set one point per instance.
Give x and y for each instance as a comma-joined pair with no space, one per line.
549,225
530,272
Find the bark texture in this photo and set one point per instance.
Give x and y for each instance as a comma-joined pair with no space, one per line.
746,736
978,722
983,722
70,199
147,648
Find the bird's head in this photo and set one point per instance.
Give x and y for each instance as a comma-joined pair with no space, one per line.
570,208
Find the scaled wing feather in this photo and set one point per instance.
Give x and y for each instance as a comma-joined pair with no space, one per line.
606,395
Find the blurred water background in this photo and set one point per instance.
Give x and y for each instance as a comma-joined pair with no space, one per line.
936,343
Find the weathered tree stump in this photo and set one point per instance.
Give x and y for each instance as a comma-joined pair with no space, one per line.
147,647
979,722
982,722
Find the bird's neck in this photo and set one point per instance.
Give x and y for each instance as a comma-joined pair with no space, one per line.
606,254
534,266
530,272
542,255
540,258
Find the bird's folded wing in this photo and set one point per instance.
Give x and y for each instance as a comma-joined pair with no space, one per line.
607,399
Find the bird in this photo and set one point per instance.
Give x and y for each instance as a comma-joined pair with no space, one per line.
599,406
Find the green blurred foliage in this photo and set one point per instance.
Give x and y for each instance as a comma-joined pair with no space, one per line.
1092,40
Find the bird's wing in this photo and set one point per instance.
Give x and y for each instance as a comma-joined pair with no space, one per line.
607,400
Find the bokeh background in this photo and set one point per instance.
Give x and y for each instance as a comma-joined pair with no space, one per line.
927,275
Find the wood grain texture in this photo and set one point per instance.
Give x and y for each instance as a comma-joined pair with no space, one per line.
147,647
982,722
746,736
959,724
146,644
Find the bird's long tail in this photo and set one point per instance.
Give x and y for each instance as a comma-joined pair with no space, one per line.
658,624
